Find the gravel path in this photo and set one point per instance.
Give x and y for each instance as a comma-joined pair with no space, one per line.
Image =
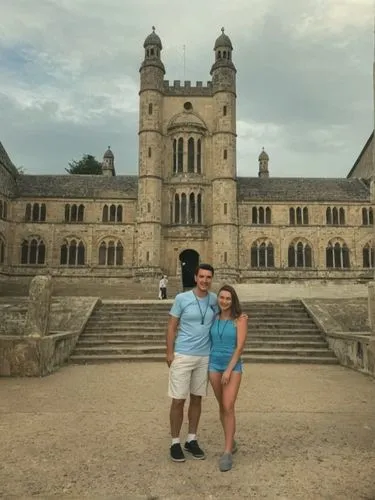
304,432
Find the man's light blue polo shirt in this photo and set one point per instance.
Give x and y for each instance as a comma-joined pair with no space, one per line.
193,338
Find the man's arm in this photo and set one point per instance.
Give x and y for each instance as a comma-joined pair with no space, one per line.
170,338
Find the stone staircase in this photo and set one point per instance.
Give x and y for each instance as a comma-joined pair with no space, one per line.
279,332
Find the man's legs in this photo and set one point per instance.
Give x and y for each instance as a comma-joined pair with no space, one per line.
176,417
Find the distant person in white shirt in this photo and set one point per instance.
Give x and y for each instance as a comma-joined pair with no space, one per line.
163,287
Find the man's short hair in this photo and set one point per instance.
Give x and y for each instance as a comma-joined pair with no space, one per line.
205,267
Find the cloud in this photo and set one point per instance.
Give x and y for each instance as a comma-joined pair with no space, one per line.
70,77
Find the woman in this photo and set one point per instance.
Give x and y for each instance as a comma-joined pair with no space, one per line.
228,337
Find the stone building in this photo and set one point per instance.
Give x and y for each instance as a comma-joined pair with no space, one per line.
187,203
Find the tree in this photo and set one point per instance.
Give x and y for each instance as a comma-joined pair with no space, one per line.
88,165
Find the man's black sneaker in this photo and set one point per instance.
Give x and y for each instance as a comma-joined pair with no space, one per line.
177,455
193,448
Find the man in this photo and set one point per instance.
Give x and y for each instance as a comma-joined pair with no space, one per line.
163,287
188,349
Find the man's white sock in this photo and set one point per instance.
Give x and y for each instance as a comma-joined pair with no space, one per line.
175,441
191,437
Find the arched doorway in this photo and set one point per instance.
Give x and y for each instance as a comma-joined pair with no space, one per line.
189,260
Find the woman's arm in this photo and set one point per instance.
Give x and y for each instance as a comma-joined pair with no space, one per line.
241,340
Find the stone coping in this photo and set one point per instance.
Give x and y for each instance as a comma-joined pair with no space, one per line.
363,336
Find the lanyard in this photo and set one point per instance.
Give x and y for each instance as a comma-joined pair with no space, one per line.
200,310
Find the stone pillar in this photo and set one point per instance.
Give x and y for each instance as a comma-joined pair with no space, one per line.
38,312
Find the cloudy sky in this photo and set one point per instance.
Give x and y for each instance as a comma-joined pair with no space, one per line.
69,77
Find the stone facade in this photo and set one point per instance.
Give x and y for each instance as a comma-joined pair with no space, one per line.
187,203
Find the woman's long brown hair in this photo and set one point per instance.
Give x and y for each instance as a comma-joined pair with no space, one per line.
236,309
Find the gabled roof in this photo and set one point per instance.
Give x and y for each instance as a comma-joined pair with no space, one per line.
77,186
6,161
298,189
368,142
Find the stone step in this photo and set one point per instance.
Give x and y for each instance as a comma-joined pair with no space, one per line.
160,337
155,328
139,348
112,358
131,322
318,344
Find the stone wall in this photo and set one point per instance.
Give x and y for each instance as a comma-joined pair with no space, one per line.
345,324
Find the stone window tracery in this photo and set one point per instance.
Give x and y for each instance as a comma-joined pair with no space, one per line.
261,215
262,254
72,252
112,213
368,255
299,254
337,255
298,216
35,212
189,159
33,251
187,209
111,253
335,216
74,213
3,210
367,216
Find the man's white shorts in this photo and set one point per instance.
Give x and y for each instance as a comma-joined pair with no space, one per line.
188,375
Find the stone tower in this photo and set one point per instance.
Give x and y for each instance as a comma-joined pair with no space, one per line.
148,235
224,188
108,163
263,164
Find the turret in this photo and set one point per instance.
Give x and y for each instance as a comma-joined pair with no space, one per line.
263,164
224,188
150,158
108,163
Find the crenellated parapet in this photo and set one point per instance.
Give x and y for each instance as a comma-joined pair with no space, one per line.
186,89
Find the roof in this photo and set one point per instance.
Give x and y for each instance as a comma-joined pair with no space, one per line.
223,41
153,39
368,142
299,189
6,161
77,186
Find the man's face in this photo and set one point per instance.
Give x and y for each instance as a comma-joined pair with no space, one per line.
203,280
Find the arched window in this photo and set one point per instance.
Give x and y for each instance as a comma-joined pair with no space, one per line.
183,208
337,256
28,212
262,254
224,111
35,212
73,213
112,213
105,213
261,215
43,211
67,213
299,216
261,218
305,215
119,213
33,251
81,211
176,209
329,216
292,216
5,210
150,109
111,253
342,216
199,207
72,253
180,155
174,161
192,208
299,255
368,256
191,155
2,250
199,156
367,216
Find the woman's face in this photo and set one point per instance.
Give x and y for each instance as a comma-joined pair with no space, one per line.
225,300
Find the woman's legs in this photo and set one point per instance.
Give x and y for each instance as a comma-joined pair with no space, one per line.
228,400
215,380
